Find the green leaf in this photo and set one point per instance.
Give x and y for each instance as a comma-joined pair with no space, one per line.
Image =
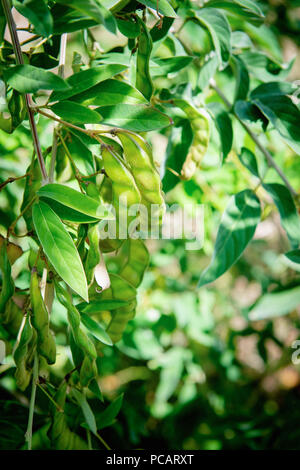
29,79
290,219
276,304
249,161
96,329
164,7
237,228
224,126
76,113
264,68
244,8
242,79
38,14
217,24
293,256
82,81
178,147
107,417
272,101
96,306
65,213
207,71
59,248
94,10
75,200
161,67
128,27
137,118
86,410
110,92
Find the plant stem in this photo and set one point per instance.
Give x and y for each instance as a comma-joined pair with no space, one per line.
11,179
61,72
19,61
255,139
28,435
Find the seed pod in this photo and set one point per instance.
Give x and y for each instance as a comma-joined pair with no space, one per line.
137,262
200,126
124,194
120,289
40,320
23,355
81,339
143,78
7,282
139,157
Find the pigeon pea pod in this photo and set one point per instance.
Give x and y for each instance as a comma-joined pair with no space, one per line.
88,368
7,289
201,129
120,289
40,321
139,157
23,355
137,262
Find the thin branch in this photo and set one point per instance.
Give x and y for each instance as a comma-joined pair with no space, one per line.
11,179
19,61
61,73
255,139
28,435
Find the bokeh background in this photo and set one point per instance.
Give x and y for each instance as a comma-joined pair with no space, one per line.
192,371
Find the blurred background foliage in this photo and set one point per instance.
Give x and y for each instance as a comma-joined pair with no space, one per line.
196,373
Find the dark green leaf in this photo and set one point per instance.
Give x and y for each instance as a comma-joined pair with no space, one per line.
96,329
224,126
288,212
249,161
107,417
293,256
96,306
178,147
86,410
38,14
237,228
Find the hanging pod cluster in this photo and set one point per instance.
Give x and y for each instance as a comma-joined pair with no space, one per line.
132,183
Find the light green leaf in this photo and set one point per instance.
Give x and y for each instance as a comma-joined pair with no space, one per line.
38,14
82,81
237,228
110,92
290,219
137,118
276,304
76,113
75,200
29,79
217,24
96,329
244,8
59,248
